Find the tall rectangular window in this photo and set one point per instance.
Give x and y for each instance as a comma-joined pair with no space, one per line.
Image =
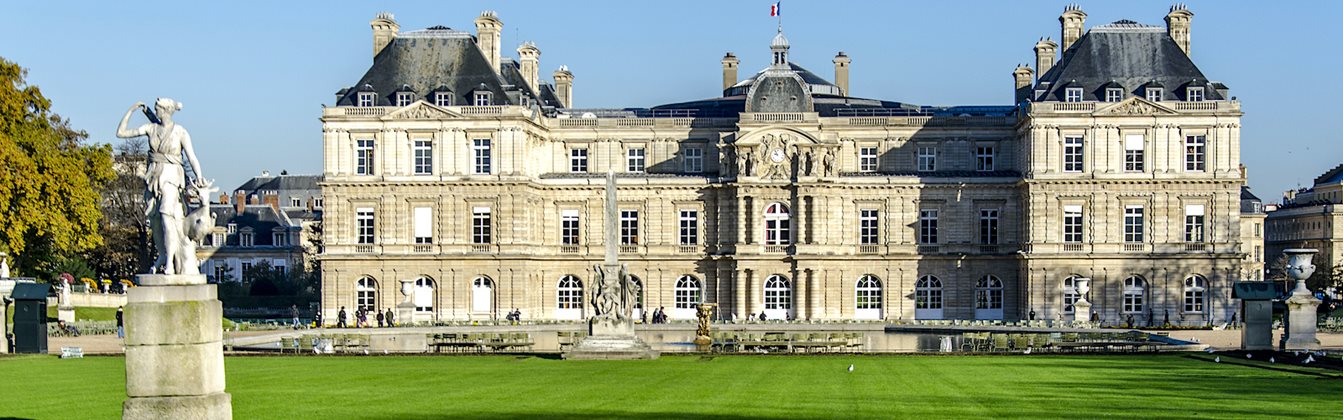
693,159
1133,153
928,226
442,99
1072,154
869,226
365,98
1193,223
867,159
363,157
480,152
221,271
1195,94
629,227
1072,224
927,159
689,227
246,240
1072,95
363,223
569,227
984,157
480,226
634,159
403,98
424,157
988,226
1154,94
1134,226
278,239
578,160
246,267
1195,153
424,225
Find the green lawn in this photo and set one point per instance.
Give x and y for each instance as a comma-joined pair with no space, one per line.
728,387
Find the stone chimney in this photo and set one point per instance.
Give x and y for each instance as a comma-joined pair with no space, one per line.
730,64
564,86
384,31
1023,75
223,199
239,201
272,200
488,30
529,64
842,72
1046,51
1072,20
1177,25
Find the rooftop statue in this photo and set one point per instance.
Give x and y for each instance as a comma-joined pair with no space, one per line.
175,231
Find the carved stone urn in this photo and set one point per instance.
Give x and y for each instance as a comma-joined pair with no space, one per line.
1299,333
1082,308
407,288
1083,287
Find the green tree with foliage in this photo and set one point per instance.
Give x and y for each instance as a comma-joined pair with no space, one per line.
49,180
127,245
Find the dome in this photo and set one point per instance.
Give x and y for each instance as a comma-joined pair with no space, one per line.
779,41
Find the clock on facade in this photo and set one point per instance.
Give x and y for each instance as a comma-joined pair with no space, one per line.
776,155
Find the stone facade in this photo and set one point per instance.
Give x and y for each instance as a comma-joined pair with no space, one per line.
790,196
1310,218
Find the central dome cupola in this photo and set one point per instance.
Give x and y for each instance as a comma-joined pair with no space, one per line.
780,48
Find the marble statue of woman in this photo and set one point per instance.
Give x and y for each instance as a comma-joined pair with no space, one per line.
166,178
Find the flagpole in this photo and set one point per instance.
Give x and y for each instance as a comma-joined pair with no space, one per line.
779,12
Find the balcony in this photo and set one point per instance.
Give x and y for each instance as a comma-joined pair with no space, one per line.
481,248
1135,247
869,249
568,249
688,249
363,249
1195,247
929,249
1074,247
629,249
422,248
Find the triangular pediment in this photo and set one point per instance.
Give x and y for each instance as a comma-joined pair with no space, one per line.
421,110
1135,106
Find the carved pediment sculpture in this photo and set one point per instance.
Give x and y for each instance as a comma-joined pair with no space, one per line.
1134,106
421,110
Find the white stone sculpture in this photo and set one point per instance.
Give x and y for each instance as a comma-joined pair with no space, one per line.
165,179
4,265
1302,304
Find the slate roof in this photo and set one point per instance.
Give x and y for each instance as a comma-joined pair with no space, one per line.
281,183
816,83
262,219
1333,176
426,60
1131,54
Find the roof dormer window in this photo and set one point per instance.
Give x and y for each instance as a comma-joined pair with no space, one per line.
403,98
482,99
1114,94
1072,94
1194,94
365,99
443,99
1154,94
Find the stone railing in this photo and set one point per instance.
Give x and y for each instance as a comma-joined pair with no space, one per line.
469,111
1200,106
639,122
778,117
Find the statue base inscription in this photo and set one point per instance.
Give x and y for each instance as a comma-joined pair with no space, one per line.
174,350
611,347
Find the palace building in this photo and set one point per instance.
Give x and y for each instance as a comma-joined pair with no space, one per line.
464,179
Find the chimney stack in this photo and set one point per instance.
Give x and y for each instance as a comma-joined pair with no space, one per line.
1177,25
529,64
239,201
384,30
1072,20
488,30
730,63
564,86
223,199
272,200
842,73
1022,75
1046,51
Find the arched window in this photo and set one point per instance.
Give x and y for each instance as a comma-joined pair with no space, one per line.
366,293
776,225
928,298
989,298
638,296
424,295
569,298
1070,295
687,292
778,297
867,297
482,295
1135,292
1193,293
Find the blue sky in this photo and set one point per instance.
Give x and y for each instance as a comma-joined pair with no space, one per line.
254,75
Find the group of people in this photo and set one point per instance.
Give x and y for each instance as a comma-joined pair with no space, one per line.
660,315
387,319
514,316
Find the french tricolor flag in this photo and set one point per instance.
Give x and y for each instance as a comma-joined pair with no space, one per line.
774,9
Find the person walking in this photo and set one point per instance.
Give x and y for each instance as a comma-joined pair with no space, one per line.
390,316
293,312
340,318
379,317
362,316
121,324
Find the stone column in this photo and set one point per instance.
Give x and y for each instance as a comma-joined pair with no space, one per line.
174,350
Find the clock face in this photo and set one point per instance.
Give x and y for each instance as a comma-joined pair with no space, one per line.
776,155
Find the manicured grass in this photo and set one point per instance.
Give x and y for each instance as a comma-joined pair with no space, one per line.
725,387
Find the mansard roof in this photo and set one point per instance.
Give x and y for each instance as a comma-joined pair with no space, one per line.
281,183
1130,54
426,60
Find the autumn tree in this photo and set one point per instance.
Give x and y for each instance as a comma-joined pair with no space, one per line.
49,179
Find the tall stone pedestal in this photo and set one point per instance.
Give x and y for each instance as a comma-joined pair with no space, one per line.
611,347
1301,322
65,313
405,313
174,350
1082,311
1256,302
